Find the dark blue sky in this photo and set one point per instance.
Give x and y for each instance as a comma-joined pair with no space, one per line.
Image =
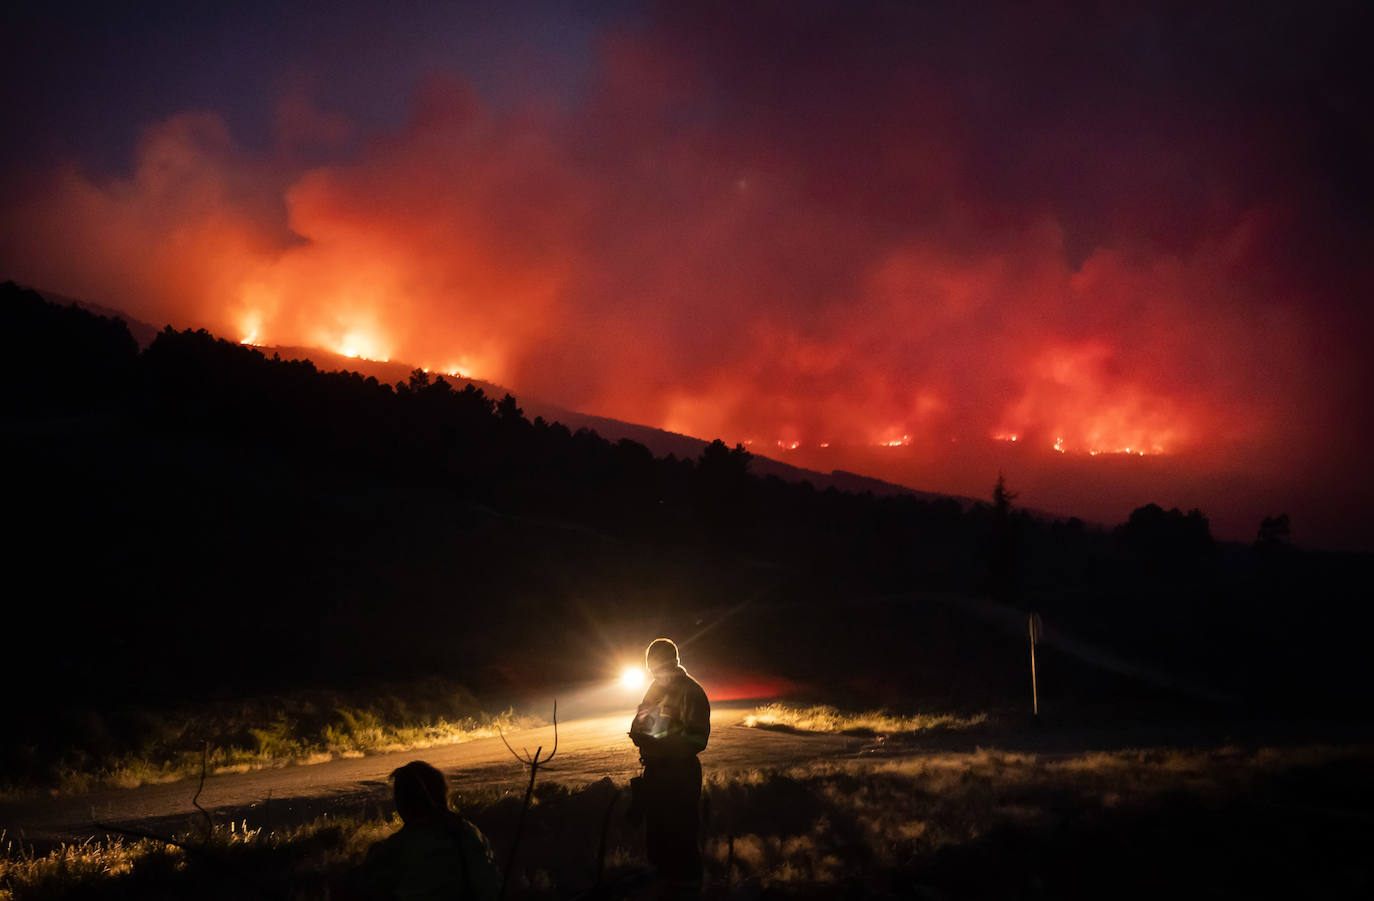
81,80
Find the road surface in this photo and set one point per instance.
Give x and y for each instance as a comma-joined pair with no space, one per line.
588,749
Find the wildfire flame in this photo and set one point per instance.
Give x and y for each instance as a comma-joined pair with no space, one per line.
1060,445
361,346
252,327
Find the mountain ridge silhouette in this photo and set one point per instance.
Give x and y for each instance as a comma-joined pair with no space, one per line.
659,441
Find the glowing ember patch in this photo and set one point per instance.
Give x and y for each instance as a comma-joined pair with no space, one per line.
465,365
1126,451
1006,436
1093,449
896,442
789,445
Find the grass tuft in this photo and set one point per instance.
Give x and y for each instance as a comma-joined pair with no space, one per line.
824,718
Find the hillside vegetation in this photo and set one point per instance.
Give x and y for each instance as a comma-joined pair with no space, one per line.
197,521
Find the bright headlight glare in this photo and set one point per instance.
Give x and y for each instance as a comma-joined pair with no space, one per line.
632,677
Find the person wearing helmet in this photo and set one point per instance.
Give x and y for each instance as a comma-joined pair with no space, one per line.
671,728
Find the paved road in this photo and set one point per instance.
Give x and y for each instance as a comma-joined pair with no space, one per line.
588,749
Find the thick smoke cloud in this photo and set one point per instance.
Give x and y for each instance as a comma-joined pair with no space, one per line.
1091,230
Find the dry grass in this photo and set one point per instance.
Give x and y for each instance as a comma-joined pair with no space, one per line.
850,826
132,748
229,861
70,866
987,824
283,743
875,722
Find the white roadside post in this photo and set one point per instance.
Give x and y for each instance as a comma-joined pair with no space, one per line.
1036,629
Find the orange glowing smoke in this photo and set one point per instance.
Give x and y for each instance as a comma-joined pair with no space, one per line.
470,243
734,282
467,244
1070,395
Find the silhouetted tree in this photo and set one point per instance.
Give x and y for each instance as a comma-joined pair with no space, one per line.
1002,498
1274,534
1003,562
507,410
1170,542
718,461
721,485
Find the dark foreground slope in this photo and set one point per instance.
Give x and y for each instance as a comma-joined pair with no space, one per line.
197,520
1223,823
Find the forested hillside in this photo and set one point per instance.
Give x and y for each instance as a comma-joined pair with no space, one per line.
198,519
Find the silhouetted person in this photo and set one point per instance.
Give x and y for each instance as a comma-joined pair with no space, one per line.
435,854
670,728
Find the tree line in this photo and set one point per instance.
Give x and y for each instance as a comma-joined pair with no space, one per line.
200,503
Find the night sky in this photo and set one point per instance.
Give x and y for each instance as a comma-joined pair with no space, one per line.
1093,227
